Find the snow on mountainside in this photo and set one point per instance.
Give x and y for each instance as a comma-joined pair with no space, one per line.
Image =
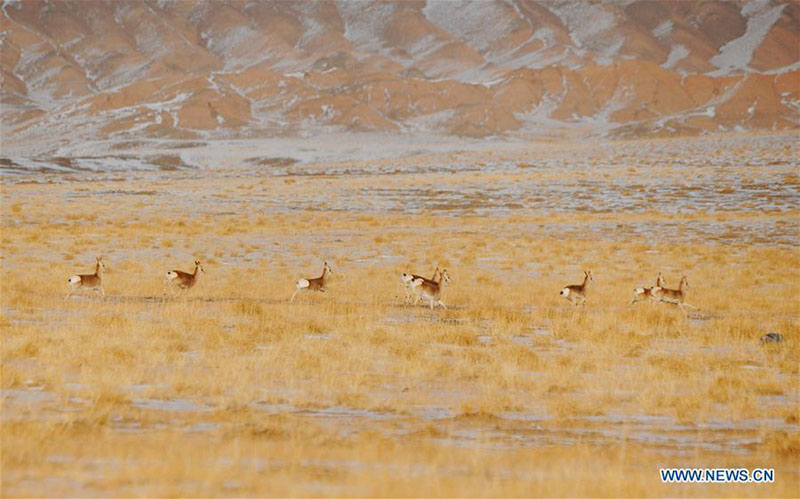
237,69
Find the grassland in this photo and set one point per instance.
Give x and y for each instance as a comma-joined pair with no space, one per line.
231,390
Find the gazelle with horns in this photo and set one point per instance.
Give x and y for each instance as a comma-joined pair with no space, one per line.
431,290
676,296
649,294
410,281
315,284
88,281
184,280
576,293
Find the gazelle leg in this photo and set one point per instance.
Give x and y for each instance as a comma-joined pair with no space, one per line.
440,302
411,297
293,295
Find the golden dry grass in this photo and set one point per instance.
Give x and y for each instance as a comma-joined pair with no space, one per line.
231,390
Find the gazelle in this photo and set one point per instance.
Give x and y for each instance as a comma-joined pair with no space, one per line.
184,280
409,281
89,281
675,296
649,294
576,293
431,290
315,284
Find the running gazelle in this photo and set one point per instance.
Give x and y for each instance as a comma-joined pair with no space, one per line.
432,290
410,281
313,284
184,280
649,294
675,296
576,293
88,281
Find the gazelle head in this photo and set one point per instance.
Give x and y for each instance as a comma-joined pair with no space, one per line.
100,265
406,277
588,275
445,276
198,266
326,269
660,281
684,283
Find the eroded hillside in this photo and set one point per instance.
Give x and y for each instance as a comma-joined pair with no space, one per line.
188,69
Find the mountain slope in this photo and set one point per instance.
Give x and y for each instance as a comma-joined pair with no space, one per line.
187,69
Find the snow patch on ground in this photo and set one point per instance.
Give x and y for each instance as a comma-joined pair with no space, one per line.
365,24
239,47
427,122
737,53
17,4
753,7
677,53
585,22
425,46
784,69
663,30
467,21
311,27
608,51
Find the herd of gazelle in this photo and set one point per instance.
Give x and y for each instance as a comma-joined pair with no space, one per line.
417,286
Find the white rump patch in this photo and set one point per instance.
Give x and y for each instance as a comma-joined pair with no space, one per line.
421,291
565,292
172,275
76,279
406,278
639,291
302,283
